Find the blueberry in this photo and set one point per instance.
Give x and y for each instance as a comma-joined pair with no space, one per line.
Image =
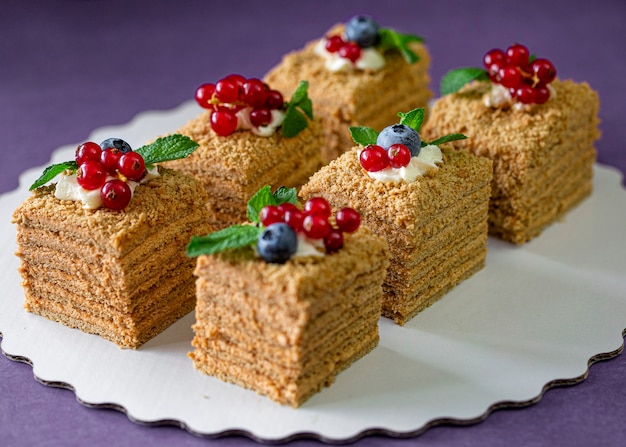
277,243
116,142
402,134
362,30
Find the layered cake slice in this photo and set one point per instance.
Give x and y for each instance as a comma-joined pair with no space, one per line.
361,75
429,202
288,303
249,137
106,254
539,131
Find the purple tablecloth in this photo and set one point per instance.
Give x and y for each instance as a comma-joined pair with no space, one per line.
68,67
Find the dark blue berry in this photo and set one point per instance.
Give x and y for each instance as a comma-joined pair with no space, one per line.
402,134
362,30
277,243
117,143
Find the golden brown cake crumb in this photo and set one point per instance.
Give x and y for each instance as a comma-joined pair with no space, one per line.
436,227
123,275
233,168
357,97
543,158
285,331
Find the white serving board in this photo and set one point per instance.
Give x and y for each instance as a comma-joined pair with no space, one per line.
535,316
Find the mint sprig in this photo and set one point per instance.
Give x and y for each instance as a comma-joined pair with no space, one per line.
240,236
453,80
298,109
236,236
171,147
391,39
52,171
366,135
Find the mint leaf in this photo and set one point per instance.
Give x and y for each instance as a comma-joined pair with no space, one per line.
390,39
413,119
363,135
236,236
171,147
284,195
453,80
51,172
299,106
263,197
446,139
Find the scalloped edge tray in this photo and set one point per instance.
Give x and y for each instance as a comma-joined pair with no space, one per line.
536,317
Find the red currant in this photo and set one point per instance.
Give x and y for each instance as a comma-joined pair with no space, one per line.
542,94
204,94
270,214
348,220
109,159
399,155
294,218
88,151
226,90
518,55
333,44
284,207
333,241
260,116
115,194
223,122
131,165
315,226
495,56
374,158
319,206
544,70
237,79
254,92
509,76
525,94
91,175
350,51
275,100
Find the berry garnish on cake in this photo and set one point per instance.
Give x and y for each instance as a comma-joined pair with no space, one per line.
239,103
518,78
107,174
279,229
362,45
398,153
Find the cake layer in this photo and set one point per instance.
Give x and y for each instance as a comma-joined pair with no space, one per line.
350,97
537,153
123,275
233,168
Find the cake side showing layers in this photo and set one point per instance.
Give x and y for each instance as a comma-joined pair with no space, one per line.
233,168
436,227
285,331
355,97
123,275
543,157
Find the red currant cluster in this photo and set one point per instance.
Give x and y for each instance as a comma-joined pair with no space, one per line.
233,93
527,81
346,49
375,158
313,220
96,164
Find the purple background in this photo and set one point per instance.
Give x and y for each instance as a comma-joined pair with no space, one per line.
68,67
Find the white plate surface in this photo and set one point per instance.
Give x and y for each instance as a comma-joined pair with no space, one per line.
535,315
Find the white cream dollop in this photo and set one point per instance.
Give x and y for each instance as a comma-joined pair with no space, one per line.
309,247
427,160
499,97
67,188
243,122
370,59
